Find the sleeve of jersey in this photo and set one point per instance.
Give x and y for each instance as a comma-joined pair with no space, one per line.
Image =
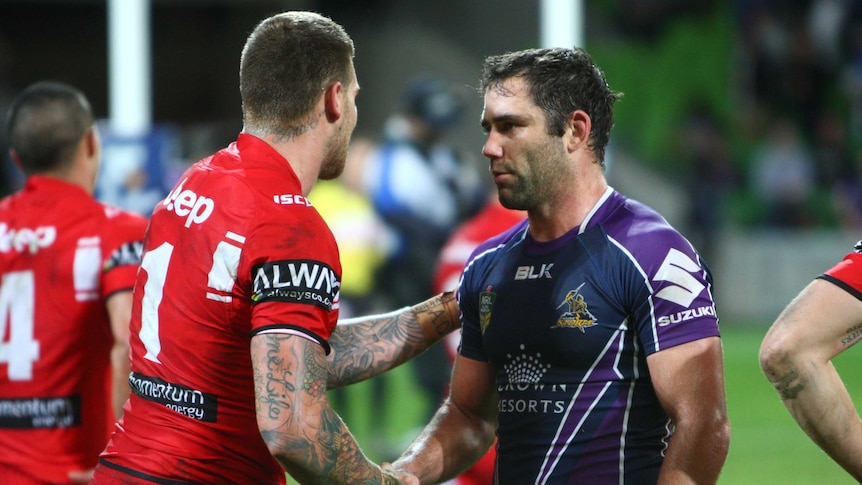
122,243
847,274
469,301
295,276
678,305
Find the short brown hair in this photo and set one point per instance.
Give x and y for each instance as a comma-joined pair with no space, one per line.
560,81
286,62
45,124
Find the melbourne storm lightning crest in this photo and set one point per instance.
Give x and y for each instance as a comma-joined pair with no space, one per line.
577,316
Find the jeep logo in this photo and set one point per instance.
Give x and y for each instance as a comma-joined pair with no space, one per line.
186,203
26,238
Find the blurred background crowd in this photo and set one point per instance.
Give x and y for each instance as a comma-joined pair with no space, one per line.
741,121
751,107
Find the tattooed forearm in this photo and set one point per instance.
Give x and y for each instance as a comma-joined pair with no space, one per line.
438,316
300,428
367,346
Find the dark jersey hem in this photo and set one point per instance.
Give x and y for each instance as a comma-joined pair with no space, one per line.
314,336
119,290
144,476
835,281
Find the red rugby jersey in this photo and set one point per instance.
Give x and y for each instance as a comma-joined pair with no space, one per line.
848,272
62,253
234,249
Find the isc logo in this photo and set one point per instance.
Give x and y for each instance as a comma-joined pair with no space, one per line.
532,273
186,203
291,199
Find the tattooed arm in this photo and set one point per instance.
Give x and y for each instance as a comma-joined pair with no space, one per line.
820,323
294,417
364,347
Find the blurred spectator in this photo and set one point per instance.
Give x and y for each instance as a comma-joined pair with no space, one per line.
362,238
831,150
713,176
362,242
825,24
422,188
840,170
851,75
11,177
133,174
783,176
802,84
847,197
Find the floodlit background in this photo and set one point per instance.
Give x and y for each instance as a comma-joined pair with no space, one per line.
740,122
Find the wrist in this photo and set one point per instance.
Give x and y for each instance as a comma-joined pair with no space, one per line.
388,476
437,316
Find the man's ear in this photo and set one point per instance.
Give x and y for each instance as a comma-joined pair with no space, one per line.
14,156
333,104
91,142
577,130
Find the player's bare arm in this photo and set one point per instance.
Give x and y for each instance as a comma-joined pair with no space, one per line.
119,307
820,323
300,428
461,431
364,347
689,383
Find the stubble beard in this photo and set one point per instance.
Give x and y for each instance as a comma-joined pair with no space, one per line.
532,188
335,158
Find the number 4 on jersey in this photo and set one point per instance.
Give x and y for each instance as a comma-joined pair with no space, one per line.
18,348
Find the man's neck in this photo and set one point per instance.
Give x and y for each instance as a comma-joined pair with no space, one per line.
559,216
302,152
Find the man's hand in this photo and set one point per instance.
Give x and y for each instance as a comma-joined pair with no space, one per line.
397,476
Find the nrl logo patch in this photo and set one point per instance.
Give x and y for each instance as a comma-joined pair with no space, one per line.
577,316
486,303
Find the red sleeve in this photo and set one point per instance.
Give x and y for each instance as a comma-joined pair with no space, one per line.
847,274
294,272
122,244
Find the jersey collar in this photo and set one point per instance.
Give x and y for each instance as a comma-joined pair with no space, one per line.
53,184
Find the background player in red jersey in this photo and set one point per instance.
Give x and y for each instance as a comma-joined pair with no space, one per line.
824,320
490,221
67,268
233,333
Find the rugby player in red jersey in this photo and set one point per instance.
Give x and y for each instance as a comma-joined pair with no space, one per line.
67,269
233,333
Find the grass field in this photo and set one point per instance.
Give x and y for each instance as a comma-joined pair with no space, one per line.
767,447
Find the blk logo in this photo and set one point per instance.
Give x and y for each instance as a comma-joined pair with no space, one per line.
533,272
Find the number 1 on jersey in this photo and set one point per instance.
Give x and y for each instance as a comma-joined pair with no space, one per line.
155,263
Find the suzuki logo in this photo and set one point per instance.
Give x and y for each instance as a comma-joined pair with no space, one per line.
677,270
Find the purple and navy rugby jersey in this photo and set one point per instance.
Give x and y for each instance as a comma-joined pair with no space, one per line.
568,325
